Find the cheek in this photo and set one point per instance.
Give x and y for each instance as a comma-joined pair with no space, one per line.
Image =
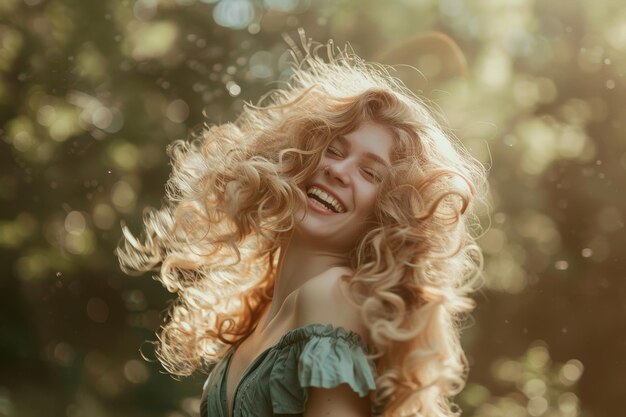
368,200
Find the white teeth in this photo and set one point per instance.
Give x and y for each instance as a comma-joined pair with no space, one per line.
339,208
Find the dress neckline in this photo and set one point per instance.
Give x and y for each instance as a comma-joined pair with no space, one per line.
289,337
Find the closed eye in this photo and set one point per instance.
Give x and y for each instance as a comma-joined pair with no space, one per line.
334,151
373,175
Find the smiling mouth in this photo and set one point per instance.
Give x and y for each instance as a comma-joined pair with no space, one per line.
324,200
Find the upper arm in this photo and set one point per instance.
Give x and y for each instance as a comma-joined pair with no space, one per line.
339,401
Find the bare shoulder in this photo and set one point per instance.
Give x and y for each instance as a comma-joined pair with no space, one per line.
322,300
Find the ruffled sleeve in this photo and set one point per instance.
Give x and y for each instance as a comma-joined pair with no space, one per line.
318,355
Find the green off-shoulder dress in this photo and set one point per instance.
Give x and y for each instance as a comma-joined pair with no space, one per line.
276,382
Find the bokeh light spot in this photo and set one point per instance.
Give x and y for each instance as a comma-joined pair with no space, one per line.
135,300
571,371
102,117
21,133
495,68
507,370
233,88
31,267
561,265
135,371
177,111
148,40
145,9
123,196
75,223
537,406
261,65
125,155
568,403
63,354
234,14
538,357
534,387
103,216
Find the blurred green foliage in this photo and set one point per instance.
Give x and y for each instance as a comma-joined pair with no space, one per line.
92,92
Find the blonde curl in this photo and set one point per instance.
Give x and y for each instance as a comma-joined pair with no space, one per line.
232,198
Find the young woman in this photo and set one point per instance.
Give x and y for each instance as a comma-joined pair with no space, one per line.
321,250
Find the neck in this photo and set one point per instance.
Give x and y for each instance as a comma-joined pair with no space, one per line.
299,261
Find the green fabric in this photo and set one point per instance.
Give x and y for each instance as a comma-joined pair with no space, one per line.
276,382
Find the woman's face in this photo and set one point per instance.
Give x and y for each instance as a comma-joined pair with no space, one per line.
342,193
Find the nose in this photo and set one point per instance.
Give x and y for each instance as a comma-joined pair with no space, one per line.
338,170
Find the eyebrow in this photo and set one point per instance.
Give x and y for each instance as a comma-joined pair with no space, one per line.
369,155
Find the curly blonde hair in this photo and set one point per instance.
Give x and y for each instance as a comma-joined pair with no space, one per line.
232,198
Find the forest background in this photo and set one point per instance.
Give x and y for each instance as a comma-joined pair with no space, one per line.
91,93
